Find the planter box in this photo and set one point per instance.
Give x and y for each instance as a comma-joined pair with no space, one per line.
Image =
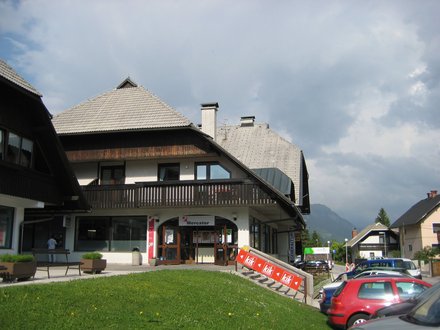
18,270
94,266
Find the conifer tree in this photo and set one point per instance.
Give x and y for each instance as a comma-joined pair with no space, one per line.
383,218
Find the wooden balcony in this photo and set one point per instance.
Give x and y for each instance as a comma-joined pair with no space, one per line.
176,194
379,246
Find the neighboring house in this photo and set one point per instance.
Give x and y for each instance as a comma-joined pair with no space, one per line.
375,240
158,183
420,225
35,175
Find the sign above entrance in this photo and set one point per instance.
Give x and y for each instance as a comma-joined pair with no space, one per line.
197,220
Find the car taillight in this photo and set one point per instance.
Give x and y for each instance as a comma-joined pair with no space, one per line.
336,302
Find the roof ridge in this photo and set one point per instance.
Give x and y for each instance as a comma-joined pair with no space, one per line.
7,72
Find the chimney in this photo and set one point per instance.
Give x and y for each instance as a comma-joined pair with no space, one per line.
209,119
247,121
432,194
354,233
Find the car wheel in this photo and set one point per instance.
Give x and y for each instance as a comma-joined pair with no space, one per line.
357,319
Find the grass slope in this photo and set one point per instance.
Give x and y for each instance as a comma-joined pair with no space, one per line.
166,299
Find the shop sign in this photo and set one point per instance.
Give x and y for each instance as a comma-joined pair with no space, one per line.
317,250
268,269
151,238
197,220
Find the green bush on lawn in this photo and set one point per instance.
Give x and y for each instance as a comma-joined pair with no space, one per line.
164,299
16,257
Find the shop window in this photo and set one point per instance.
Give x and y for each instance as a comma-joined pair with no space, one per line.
113,174
254,232
92,234
118,234
128,233
6,223
168,172
211,171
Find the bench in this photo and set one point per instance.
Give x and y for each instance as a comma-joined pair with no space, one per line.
46,265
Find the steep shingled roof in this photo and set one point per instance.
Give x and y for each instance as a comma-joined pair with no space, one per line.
8,73
417,212
128,107
272,150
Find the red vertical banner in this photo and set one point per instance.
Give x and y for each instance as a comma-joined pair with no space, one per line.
150,247
268,269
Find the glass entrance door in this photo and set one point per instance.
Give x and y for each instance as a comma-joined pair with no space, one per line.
169,247
220,247
225,247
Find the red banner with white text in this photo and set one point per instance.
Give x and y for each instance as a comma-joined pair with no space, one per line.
268,269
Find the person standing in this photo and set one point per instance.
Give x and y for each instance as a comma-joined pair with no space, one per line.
51,245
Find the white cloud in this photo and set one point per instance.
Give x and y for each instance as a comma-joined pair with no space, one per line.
356,86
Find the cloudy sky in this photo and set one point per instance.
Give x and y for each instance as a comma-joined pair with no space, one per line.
355,84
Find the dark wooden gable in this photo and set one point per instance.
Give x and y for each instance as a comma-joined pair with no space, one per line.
49,179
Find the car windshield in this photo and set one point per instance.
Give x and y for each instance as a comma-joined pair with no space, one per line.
427,312
409,265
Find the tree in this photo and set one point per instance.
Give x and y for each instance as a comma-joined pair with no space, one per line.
383,218
316,240
426,253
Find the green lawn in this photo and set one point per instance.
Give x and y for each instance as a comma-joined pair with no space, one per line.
166,299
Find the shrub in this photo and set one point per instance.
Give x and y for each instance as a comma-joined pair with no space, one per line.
16,258
92,255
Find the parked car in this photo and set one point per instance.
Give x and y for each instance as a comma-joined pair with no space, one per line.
299,264
355,300
400,263
316,265
405,306
326,293
423,316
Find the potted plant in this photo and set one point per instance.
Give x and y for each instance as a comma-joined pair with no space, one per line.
17,266
92,262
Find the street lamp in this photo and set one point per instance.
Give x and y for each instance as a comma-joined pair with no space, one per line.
346,251
329,260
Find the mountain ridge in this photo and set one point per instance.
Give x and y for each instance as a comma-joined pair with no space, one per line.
328,224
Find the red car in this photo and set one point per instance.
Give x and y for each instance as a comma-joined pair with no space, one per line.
355,300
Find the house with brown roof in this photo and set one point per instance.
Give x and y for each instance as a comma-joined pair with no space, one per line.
157,183
419,226
37,183
374,241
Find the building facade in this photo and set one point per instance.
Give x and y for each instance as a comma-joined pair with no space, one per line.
159,184
420,225
374,241
35,175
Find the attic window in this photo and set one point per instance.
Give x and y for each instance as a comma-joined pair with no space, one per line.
127,83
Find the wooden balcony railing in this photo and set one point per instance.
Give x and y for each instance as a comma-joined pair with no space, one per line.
378,246
176,194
